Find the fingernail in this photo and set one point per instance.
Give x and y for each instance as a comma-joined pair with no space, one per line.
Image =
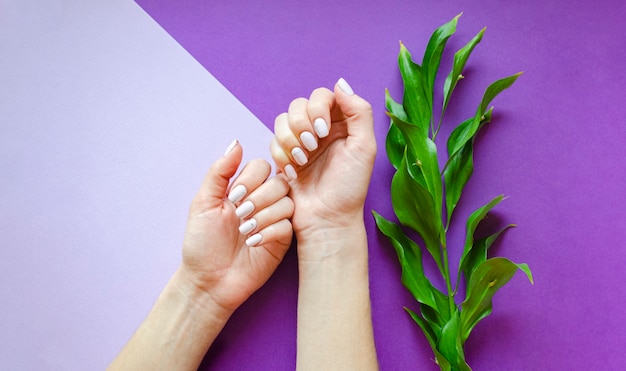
254,240
237,193
290,172
244,209
343,85
299,156
321,128
308,140
230,147
247,227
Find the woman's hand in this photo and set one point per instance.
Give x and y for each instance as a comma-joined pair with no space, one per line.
326,147
236,236
235,239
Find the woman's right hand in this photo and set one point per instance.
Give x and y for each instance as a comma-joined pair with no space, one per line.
326,147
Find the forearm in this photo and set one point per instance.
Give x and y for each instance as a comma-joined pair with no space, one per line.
177,332
334,316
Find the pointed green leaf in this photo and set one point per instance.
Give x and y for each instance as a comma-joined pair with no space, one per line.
415,208
426,329
478,253
493,90
395,141
460,59
468,132
459,134
410,257
394,145
432,56
394,107
472,223
443,363
450,343
414,101
437,318
460,167
486,280
424,151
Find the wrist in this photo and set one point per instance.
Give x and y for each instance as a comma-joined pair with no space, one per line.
209,312
341,242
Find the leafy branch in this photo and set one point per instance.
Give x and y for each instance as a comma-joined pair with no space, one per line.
424,198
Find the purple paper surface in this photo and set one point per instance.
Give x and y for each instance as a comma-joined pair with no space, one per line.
95,191
107,127
555,148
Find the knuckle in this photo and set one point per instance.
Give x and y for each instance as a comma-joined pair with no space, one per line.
262,164
298,118
280,123
321,92
291,206
282,183
364,106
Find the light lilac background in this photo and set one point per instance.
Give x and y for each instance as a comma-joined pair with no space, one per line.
77,281
107,127
556,148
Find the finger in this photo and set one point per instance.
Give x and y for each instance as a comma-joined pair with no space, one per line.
285,137
301,130
283,163
281,209
215,182
280,233
265,195
358,112
321,103
251,177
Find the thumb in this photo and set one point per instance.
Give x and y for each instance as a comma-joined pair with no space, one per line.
215,183
350,103
358,113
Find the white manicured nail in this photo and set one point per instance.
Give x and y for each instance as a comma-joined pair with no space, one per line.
343,85
230,147
237,193
308,140
244,209
247,227
254,240
321,128
290,172
299,156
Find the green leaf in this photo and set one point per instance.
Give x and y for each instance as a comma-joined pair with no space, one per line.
478,253
459,134
395,141
472,223
456,176
410,257
415,208
493,90
460,59
443,363
460,167
486,280
431,337
450,344
414,101
467,132
424,151
432,56
437,318
394,145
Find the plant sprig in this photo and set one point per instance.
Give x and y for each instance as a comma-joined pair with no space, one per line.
424,198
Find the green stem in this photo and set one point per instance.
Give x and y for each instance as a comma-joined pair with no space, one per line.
446,276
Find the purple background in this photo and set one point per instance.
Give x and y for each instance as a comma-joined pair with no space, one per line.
104,139
555,148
